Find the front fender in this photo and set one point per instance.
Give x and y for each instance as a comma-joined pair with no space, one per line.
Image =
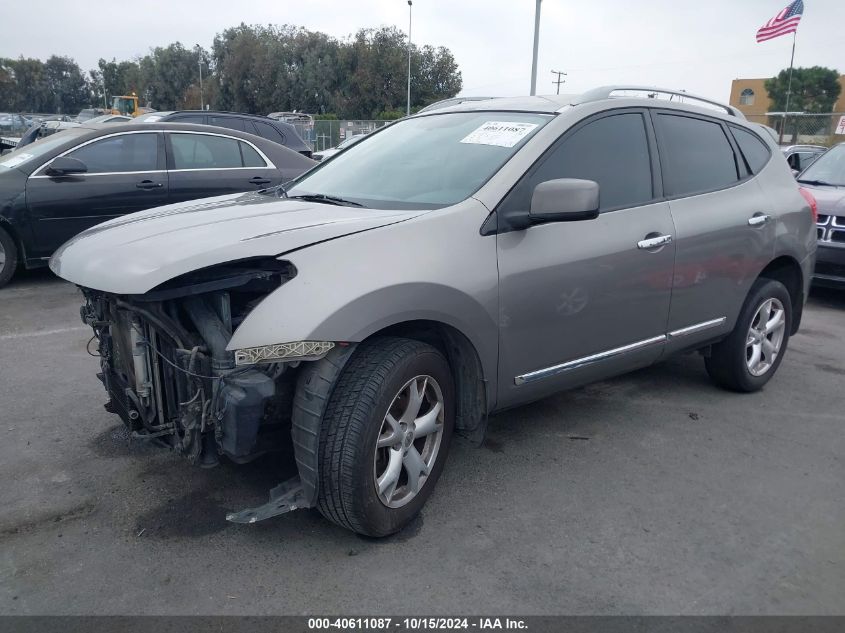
436,267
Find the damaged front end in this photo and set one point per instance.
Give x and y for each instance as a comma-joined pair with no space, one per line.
169,376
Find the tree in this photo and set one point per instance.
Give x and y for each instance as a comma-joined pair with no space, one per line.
32,92
814,90
66,84
8,86
167,74
117,78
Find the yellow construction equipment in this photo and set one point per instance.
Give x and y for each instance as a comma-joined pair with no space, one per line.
126,105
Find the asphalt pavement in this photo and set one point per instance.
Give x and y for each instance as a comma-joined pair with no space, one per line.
653,493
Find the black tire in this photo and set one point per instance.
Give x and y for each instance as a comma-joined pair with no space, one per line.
356,410
10,252
727,364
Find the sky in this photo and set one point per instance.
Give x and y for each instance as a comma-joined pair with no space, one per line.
697,46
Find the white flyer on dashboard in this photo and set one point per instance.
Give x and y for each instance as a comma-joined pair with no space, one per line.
500,133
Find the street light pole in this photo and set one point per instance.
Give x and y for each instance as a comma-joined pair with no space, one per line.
410,9
536,46
199,64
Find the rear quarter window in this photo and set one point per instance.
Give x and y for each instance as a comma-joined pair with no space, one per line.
756,152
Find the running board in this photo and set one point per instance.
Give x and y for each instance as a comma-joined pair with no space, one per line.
284,498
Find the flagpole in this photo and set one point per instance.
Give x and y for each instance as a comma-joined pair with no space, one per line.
788,86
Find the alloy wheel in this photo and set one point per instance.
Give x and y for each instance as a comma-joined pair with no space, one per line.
765,337
409,441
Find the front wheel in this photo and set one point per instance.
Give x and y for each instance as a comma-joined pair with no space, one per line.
8,257
385,435
752,353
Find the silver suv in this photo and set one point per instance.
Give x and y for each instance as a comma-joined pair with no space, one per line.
446,267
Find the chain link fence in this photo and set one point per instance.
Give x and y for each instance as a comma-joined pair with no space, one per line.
323,134
805,129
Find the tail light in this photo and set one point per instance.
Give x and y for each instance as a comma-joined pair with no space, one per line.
814,207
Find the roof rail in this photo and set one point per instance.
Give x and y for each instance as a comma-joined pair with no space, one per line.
606,92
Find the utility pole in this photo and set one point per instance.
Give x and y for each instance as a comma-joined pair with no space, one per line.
559,80
536,46
199,63
408,106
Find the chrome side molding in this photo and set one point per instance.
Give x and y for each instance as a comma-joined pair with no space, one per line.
698,327
548,372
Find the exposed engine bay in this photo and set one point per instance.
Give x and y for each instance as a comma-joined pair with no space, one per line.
167,372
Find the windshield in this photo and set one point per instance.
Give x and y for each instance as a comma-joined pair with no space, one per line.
36,150
829,168
422,162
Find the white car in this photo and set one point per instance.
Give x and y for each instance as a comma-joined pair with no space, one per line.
326,153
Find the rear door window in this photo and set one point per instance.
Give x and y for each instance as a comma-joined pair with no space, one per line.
197,119
251,158
203,151
231,122
695,155
122,153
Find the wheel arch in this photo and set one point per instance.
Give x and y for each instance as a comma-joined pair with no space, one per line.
787,270
317,379
471,382
9,228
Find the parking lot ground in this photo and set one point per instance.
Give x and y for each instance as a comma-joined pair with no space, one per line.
651,493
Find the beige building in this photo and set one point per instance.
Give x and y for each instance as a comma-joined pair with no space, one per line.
751,98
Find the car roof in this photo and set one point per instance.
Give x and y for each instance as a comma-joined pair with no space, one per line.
224,113
93,130
545,104
620,95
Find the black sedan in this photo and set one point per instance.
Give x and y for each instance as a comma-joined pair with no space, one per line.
58,186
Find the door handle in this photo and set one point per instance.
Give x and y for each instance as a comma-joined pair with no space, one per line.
258,180
654,242
758,219
149,184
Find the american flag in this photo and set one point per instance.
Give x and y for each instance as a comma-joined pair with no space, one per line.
784,22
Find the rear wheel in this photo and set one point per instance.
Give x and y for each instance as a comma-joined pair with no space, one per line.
385,435
8,257
750,356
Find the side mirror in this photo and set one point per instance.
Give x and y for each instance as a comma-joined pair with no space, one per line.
66,166
564,200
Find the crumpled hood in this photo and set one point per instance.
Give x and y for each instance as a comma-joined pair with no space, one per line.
831,200
135,253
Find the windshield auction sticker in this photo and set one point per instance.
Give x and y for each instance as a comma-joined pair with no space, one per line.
499,133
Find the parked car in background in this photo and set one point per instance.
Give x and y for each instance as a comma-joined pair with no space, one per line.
89,113
52,126
13,123
826,179
109,118
58,186
800,157
456,263
349,142
265,127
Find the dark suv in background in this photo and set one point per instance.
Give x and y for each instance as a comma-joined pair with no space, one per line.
826,179
265,127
